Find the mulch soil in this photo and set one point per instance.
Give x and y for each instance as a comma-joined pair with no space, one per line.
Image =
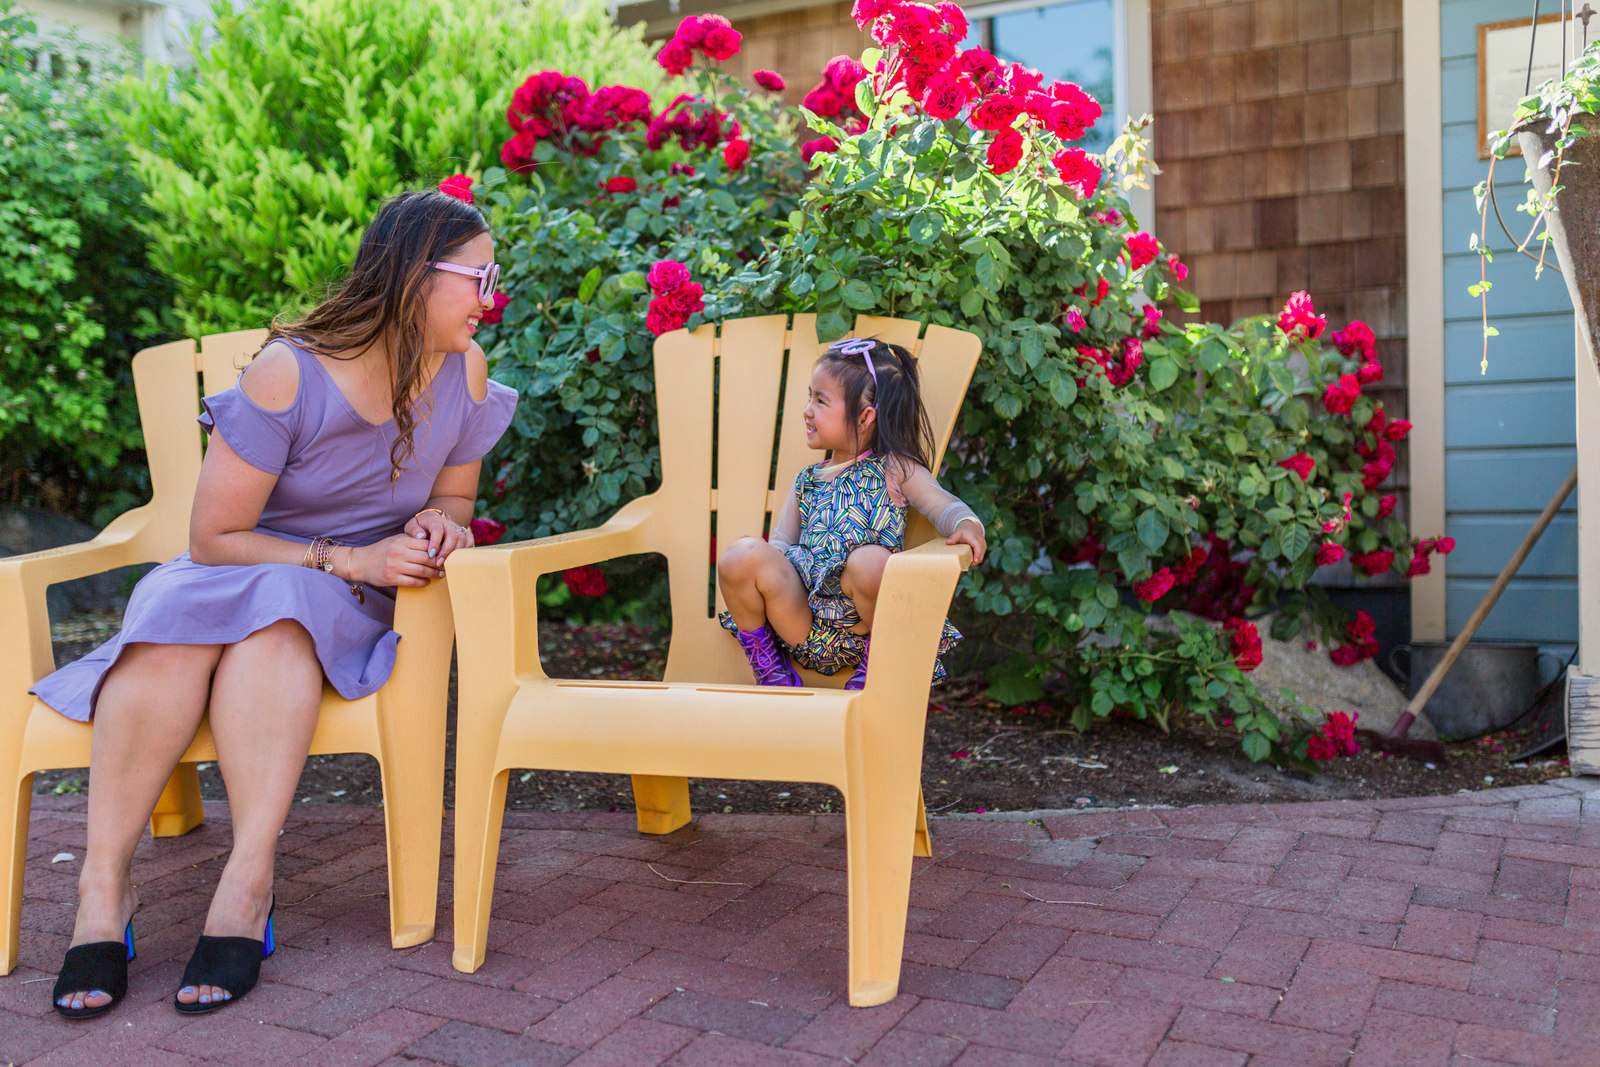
978,756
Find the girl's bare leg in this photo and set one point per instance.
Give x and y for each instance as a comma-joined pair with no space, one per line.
264,705
760,585
862,578
149,708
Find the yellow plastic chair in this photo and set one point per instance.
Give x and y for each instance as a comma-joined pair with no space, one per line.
707,720
402,725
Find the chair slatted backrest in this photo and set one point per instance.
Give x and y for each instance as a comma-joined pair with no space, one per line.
750,382
167,381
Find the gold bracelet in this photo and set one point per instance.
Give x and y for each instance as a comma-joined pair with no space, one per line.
439,511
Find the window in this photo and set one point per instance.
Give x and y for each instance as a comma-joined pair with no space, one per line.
1076,41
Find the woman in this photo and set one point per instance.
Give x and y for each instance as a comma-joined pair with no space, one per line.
342,464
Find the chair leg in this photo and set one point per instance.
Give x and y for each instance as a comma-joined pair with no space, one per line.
878,817
923,844
12,858
413,828
480,809
662,803
178,808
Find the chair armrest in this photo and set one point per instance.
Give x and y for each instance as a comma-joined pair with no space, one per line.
913,600
25,620
493,589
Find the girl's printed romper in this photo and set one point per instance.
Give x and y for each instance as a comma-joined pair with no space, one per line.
836,516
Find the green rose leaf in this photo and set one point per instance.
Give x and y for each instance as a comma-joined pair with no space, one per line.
859,295
1163,373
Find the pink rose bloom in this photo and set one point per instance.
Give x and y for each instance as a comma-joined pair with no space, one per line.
691,31
866,11
1152,322
954,18
458,186
1299,319
1075,321
843,72
823,101
667,275
1179,271
978,62
1386,506
769,79
721,41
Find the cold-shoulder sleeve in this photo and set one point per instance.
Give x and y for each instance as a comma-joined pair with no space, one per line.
262,438
942,508
485,421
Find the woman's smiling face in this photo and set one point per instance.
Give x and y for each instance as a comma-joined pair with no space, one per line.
452,307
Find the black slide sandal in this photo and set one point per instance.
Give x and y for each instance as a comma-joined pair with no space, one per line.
232,964
98,967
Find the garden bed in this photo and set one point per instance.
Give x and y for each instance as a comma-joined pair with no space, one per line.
978,755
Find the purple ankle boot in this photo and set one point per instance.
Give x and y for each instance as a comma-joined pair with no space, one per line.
770,665
858,680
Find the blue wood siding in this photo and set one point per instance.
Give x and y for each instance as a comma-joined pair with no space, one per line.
1509,433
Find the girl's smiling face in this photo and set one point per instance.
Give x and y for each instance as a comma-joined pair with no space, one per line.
828,423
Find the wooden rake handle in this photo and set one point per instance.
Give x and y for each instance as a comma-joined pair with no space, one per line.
1436,676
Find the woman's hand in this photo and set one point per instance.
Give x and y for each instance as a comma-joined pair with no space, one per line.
969,534
401,560
441,534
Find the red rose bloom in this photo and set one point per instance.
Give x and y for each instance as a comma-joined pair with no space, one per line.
944,98
1386,506
487,531
1369,372
1245,642
667,275
721,41
1190,566
1340,396
1301,464
978,62
1397,430
1005,151
458,186
1373,563
492,316
995,113
585,581
1319,747
823,101
1329,554
1299,319
954,18
1357,338
686,300
812,149
866,11
1419,566
675,56
1077,169
1179,271
769,79
1142,250
735,153
662,317
1156,586
1445,545
621,184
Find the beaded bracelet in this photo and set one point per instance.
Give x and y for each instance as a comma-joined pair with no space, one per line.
319,554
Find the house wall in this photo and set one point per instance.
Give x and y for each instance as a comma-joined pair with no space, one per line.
1510,432
797,44
1279,134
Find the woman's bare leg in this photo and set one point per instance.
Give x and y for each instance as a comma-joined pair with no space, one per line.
760,585
863,576
149,708
264,704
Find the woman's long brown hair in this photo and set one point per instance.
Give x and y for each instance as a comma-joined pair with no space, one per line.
381,299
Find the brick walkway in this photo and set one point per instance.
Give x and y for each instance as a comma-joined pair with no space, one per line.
1434,930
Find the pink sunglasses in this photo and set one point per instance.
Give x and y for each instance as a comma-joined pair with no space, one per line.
488,277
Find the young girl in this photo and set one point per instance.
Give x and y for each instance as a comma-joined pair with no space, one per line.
810,591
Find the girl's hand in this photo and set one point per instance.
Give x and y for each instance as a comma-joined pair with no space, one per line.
401,560
971,535
440,534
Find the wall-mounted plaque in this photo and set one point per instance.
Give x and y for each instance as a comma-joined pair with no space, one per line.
1503,68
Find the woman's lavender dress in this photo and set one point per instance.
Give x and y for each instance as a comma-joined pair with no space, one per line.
333,481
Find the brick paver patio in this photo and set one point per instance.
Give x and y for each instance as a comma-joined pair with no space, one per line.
1433,930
